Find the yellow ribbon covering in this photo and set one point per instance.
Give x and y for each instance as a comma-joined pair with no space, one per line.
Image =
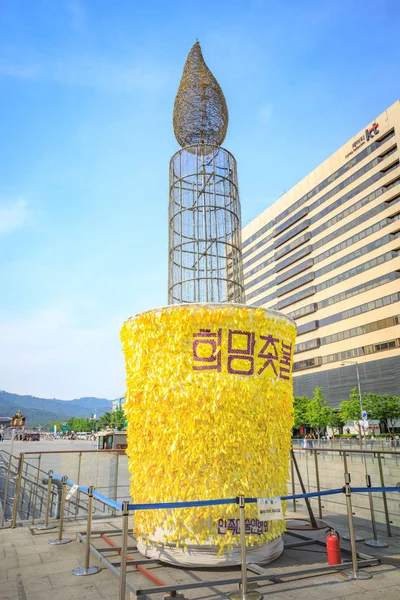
209,405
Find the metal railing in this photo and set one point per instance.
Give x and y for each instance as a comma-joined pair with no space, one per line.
24,483
320,468
126,509
350,444
42,496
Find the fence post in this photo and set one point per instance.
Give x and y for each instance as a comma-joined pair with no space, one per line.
28,510
124,546
46,524
87,569
60,539
318,483
314,524
375,543
37,489
346,537
293,484
7,481
243,593
385,505
354,573
17,489
78,481
116,478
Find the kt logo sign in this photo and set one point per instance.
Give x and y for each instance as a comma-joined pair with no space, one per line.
369,133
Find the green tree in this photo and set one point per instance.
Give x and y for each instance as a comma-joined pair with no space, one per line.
58,424
350,410
335,422
118,419
105,420
300,410
383,408
79,424
71,424
115,420
318,412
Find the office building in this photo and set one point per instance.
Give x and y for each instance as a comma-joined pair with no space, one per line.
118,403
327,253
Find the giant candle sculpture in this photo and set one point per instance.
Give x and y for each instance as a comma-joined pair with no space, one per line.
209,379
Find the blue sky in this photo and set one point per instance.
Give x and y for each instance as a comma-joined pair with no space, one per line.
87,90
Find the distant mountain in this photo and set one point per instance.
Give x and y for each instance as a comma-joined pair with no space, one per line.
41,411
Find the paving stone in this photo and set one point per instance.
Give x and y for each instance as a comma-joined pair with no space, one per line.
108,589
87,591
29,559
36,587
8,589
273,595
380,579
3,575
59,580
392,593
33,571
329,586
9,563
56,554
23,550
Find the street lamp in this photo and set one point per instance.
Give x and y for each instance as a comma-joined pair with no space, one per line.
354,362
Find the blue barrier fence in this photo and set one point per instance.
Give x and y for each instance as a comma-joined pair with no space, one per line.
194,503
107,501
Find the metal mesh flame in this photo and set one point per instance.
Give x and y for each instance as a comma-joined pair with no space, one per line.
200,110
205,250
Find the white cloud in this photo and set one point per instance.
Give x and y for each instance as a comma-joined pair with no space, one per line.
13,215
48,354
265,113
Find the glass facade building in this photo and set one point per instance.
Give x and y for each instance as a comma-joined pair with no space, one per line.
327,254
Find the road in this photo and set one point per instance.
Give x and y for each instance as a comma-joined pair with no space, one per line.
47,446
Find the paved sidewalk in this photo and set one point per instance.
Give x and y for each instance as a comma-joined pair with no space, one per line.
31,569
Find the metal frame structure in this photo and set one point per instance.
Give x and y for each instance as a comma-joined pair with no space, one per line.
27,492
120,572
205,250
242,581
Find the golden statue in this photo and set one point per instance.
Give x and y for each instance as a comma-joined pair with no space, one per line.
200,111
18,420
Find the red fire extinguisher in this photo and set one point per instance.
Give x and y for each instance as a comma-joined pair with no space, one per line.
333,547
